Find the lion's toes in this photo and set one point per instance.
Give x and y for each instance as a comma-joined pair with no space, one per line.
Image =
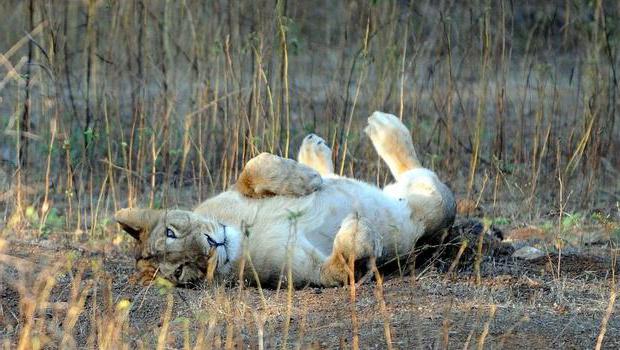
314,145
385,120
315,141
315,153
386,130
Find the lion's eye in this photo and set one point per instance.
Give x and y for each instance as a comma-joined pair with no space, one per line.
170,233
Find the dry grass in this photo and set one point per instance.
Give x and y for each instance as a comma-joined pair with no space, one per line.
515,304
113,103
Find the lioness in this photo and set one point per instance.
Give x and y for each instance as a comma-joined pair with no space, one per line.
283,212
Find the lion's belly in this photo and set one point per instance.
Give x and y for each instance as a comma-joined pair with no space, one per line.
302,229
339,200
309,224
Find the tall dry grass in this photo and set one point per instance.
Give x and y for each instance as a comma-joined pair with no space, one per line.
140,98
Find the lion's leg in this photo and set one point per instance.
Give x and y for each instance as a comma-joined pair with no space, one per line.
355,240
315,153
268,175
430,200
392,141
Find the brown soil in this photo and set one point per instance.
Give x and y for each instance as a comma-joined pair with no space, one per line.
523,305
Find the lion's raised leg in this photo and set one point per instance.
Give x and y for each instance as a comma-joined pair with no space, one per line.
267,175
355,240
430,200
392,141
315,153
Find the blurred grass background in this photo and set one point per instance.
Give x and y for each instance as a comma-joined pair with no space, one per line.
110,103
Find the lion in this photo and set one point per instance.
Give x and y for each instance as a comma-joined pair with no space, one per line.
297,217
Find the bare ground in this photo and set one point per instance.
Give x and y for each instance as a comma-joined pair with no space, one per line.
516,304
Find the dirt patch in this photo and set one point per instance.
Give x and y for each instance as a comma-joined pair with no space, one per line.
513,304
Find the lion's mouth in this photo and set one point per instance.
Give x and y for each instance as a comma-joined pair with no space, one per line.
219,248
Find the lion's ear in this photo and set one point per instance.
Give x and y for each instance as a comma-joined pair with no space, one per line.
134,221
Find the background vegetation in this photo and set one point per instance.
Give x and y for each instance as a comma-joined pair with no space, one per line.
112,103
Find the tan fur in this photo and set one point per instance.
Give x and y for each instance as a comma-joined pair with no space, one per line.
267,175
187,254
145,274
137,221
355,239
286,215
315,153
393,142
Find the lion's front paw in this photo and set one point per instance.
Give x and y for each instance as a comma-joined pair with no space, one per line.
334,272
145,273
268,175
294,179
315,153
142,278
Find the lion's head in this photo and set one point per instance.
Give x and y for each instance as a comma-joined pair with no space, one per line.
181,246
